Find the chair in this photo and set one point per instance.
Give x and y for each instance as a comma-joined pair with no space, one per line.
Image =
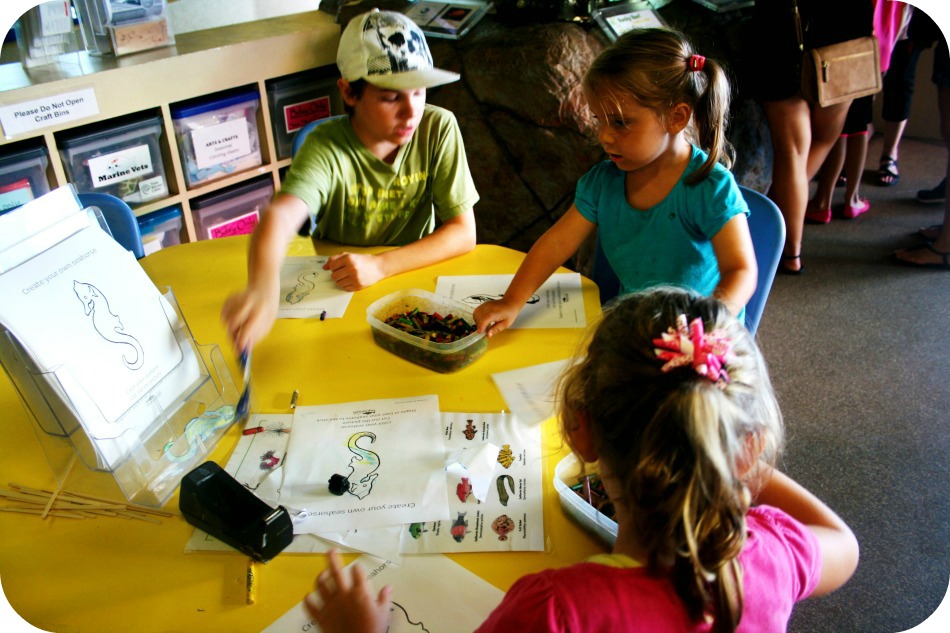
768,238
302,133
120,218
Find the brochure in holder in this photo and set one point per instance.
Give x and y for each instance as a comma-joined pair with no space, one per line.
104,363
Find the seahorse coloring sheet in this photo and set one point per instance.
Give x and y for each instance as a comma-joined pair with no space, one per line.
307,291
558,303
430,594
389,453
86,310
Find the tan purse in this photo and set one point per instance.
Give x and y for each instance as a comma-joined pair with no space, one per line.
839,72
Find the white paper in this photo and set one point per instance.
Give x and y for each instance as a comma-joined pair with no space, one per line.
511,517
531,391
306,290
558,303
391,453
430,593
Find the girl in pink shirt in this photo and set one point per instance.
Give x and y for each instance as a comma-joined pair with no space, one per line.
674,404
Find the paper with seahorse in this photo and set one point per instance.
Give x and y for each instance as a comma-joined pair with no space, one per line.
390,451
307,291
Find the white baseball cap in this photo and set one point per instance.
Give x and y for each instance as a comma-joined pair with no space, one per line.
389,50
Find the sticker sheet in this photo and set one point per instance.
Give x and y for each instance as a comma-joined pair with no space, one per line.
430,593
558,303
385,456
508,516
308,291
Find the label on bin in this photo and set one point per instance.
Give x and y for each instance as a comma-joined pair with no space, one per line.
298,115
15,194
153,188
134,162
240,225
221,143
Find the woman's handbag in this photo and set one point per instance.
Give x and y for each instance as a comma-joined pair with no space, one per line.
839,72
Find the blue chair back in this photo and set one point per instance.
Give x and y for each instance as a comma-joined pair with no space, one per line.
302,133
120,218
768,238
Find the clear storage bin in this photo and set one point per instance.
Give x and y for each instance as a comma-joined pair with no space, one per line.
297,100
232,211
160,229
22,177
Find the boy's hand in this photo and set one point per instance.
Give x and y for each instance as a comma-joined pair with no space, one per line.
493,317
354,272
249,315
346,603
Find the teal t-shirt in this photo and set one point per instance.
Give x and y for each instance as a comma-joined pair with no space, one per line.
356,198
668,243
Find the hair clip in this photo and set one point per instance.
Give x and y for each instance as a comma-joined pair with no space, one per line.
690,345
696,63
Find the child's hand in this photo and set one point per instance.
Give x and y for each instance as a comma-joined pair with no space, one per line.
249,315
493,317
347,604
354,272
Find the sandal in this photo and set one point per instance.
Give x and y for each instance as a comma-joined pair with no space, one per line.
929,233
943,264
790,271
887,174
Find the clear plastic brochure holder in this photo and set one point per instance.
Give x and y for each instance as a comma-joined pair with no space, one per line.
169,430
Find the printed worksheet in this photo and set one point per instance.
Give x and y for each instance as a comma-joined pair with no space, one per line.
307,291
368,464
558,303
506,514
531,391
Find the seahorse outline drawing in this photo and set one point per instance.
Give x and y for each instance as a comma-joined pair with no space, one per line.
305,285
479,299
363,465
106,322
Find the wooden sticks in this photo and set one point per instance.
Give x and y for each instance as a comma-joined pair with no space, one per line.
60,503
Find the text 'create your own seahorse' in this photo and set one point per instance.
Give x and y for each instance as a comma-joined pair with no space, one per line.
107,323
362,466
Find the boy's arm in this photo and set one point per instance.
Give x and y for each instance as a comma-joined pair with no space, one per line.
550,251
250,314
738,270
839,547
454,237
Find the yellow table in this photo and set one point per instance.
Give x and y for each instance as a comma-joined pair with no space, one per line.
110,574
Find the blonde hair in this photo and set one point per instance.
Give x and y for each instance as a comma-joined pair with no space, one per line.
676,441
653,67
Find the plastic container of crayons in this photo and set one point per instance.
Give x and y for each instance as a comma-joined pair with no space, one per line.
426,329
579,498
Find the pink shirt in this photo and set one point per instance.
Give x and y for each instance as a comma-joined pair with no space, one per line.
781,562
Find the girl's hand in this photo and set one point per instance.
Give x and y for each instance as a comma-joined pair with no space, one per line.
346,603
493,317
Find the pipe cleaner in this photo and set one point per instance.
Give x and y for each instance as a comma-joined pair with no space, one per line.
690,345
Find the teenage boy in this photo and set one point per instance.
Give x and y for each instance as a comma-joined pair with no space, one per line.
380,176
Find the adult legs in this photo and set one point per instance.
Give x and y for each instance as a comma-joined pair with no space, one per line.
856,156
819,207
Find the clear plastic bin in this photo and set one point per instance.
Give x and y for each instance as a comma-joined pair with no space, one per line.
232,211
217,137
124,160
591,519
297,100
160,229
22,177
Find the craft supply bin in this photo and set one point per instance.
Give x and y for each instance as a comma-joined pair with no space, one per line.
591,519
297,100
22,177
232,211
217,137
160,229
120,158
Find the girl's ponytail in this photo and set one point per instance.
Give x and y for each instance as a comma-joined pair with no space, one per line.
711,115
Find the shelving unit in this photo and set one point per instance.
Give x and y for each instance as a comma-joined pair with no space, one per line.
200,63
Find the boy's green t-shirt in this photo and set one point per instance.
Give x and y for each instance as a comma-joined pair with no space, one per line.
356,198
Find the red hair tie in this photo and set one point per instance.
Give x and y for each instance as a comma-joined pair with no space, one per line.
696,63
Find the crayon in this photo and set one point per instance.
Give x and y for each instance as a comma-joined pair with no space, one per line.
253,430
251,582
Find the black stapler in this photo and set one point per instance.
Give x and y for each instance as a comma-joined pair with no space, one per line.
217,503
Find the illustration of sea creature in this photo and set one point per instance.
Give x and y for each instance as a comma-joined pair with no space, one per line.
396,623
305,285
107,323
199,430
505,457
502,491
363,465
417,529
479,299
269,460
502,526
469,431
459,527
464,489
